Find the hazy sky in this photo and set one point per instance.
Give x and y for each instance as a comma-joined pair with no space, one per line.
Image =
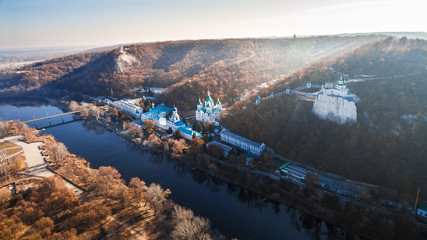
45,23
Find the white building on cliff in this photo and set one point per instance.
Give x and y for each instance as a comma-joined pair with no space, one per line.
336,103
209,112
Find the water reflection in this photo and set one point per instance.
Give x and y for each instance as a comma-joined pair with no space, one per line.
301,223
24,102
235,211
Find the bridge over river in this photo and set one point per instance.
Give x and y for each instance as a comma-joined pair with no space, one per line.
52,117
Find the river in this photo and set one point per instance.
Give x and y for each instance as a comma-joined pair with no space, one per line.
234,211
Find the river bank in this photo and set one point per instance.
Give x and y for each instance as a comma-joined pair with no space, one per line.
213,167
367,221
123,211
246,213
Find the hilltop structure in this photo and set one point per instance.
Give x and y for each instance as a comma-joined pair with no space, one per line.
335,103
209,112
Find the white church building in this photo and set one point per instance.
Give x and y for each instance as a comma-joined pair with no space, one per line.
336,103
209,112
158,116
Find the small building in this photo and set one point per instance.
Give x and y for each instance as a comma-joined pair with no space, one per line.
157,90
159,111
242,142
135,124
127,106
187,133
422,210
226,148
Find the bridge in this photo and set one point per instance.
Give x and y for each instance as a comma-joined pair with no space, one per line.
53,116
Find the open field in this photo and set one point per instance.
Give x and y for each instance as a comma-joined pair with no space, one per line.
10,148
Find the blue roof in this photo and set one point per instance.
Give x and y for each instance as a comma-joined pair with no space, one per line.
208,99
157,110
157,118
180,123
189,131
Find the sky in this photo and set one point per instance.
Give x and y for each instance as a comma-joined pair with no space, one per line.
54,23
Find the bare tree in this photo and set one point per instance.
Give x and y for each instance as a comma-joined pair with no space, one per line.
156,196
137,189
107,179
5,196
153,141
93,111
188,226
149,126
4,129
178,146
59,152
74,106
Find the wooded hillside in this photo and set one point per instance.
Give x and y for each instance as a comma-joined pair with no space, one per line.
386,145
187,68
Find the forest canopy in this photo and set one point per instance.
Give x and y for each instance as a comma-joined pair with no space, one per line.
187,68
387,144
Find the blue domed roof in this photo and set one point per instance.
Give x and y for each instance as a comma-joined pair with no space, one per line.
209,99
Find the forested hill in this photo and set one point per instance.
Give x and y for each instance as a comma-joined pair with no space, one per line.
188,68
385,146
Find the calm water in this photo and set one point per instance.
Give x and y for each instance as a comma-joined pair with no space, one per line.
234,211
